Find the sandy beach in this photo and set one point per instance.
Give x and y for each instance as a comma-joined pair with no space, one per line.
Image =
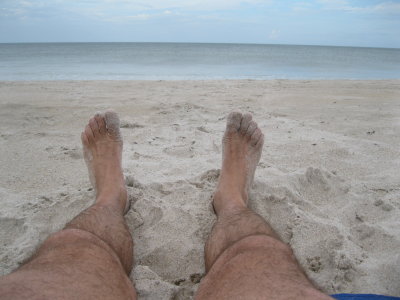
328,181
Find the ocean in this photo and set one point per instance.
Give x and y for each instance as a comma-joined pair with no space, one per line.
180,61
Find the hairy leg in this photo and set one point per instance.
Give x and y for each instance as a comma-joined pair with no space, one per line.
92,256
244,257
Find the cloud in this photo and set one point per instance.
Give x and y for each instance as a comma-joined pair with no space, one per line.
10,12
140,17
274,34
23,9
127,18
121,10
345,5
179,4
387,7
302,6
333,2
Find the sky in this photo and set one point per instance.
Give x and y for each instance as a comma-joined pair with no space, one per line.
365,23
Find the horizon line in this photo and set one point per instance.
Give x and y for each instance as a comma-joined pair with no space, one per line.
223,43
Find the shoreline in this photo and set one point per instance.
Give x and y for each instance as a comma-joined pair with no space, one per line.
195,80
328,180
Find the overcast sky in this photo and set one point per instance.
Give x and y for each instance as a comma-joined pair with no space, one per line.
317,22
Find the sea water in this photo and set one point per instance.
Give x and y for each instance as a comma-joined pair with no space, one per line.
173,61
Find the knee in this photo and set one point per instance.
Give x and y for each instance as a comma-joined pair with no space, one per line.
262,242
75,240
270,247
69,236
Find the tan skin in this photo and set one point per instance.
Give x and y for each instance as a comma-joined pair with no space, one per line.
92,256
244,257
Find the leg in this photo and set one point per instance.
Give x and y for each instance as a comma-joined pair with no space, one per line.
92,256
244,257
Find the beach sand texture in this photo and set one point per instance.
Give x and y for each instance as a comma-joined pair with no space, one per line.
328,180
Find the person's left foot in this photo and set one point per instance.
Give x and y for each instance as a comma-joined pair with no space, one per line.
102,149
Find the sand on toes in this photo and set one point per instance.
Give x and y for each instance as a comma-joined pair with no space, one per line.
241,151
102,150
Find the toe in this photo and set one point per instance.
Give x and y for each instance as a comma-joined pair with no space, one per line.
112,123
260,141
233,121
84,139
89,134
93,125
245,123
252,127
255,136
101,123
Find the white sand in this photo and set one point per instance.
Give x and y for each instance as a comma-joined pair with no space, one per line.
328,180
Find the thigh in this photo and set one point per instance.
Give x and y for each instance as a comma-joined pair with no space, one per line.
73,266
257,267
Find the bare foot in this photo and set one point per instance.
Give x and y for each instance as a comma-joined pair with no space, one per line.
241,151
102,149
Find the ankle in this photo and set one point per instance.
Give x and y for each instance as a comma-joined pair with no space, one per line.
228,201
115,198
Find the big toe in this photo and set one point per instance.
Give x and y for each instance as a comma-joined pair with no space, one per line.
245,122
112,124
233,121
94,127
251,129
101,123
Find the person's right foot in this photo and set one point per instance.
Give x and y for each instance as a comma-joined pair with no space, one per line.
102,149
241,151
